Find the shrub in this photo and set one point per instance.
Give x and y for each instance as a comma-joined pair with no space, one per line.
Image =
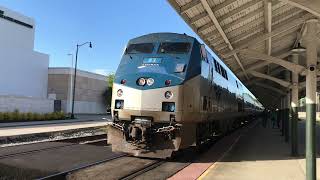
17,116
11,116
46,116
35,116
54,116
41,117
29,116
61,115
6,116
22,116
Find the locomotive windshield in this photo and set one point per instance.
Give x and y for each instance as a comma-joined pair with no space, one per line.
140,48
174,48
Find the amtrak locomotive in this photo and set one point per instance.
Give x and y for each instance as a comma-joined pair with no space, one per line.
170,93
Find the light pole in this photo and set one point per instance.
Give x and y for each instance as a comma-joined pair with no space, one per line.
75,77
71,84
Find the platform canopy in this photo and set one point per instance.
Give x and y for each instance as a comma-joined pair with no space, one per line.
254,38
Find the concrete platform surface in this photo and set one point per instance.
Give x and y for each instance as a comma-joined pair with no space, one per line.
260,153
214,154
44,128
251,153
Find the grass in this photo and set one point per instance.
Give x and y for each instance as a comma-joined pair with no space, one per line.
17,116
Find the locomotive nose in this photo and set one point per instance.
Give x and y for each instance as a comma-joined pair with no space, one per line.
157,103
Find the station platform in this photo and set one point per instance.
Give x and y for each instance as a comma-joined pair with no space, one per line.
251,153
25,128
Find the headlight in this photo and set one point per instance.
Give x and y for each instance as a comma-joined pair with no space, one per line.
168,106
167,82
172,108
123,81
119,93
150,81
119,104
168,94
141,82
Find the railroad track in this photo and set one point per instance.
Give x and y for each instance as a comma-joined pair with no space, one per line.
62,175
134,173
92,140
153,166
55,136
131,175
142,170
82,139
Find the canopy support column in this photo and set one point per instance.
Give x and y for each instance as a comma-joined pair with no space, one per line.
294,107
287,109
311,87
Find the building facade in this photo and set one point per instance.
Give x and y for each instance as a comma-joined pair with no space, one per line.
89,91
23,71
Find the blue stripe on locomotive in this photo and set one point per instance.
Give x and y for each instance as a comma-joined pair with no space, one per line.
132,67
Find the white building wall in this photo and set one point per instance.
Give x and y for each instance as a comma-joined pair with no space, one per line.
15,35
84,107
23,71
25,104
89,90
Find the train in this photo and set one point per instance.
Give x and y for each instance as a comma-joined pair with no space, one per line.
170,93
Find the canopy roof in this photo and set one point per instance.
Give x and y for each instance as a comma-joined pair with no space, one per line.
242,31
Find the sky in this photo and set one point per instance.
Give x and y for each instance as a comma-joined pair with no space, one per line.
109,25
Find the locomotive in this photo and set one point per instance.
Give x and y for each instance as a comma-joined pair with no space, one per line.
170,93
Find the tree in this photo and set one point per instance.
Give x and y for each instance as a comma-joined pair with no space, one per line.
110,79
107,95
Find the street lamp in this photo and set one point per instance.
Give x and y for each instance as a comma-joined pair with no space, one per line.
71,85
75,77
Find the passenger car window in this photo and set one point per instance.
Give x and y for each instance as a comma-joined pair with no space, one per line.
140,48
222,71
219,69
216,65
174,48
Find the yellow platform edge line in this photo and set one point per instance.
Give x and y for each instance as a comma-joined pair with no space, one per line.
203,175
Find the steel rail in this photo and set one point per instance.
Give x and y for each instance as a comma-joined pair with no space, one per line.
82,138
62,175
142,170
55,147
95,141
34,151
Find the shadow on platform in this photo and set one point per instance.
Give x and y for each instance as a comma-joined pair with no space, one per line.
259,144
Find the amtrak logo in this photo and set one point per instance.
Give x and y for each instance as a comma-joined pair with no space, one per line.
150,65
152,68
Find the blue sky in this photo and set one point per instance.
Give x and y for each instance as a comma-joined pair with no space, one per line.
61,24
